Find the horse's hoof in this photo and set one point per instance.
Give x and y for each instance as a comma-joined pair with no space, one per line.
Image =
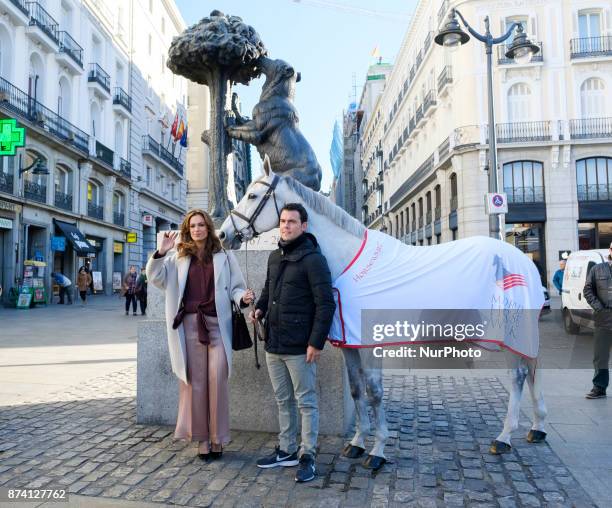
374,462
499,447
352,452
536,436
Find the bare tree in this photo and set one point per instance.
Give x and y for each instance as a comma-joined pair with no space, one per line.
218,51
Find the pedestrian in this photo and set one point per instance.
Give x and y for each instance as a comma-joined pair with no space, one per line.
64,284
598,293
129,290
83,282
298,303
203,279
558,277
141,290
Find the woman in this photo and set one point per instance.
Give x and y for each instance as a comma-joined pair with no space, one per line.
200,282
141,291
129,290
83,282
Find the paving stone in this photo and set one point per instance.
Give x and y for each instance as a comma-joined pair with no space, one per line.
217,484
529,500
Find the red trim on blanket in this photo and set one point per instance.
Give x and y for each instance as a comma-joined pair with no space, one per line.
365,238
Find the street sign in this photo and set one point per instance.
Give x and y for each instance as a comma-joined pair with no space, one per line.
147,220
131,237
496,203
11,136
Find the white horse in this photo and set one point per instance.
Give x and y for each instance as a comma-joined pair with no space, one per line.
340,237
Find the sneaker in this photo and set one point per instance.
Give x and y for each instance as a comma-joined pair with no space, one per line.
278,458
596,393
306,470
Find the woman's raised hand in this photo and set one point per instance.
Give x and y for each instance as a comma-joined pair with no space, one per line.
167,242
249,296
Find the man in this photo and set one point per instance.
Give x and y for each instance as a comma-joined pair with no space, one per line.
141,290
558,276
64,284
129,290
598,293
298,304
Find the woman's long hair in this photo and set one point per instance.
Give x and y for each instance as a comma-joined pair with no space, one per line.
187,247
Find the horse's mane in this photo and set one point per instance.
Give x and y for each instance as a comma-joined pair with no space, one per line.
323,205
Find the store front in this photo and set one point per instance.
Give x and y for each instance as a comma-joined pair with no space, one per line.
75,246
118,264
7,255
594,235
529,238
96,262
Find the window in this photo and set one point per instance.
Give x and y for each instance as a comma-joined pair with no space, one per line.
149,176
594,179
94,193
62,180
592,98
118,202
589,24
519,103
523,182
5,53
63,99
96,126
453,188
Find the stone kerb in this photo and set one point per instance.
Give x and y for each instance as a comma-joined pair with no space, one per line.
252,403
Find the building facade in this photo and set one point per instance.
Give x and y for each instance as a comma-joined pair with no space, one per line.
88,81
424,148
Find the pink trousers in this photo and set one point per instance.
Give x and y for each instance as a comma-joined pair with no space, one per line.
203,411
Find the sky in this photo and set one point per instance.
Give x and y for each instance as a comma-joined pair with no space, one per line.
328,42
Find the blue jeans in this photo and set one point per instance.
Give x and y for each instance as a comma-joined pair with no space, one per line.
294,384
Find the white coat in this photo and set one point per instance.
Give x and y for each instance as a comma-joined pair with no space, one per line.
169,273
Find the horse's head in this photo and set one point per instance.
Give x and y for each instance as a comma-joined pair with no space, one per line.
280,77
257,212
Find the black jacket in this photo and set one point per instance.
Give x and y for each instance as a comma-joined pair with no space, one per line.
297,298
598,293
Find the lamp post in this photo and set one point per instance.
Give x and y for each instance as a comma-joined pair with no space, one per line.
521,50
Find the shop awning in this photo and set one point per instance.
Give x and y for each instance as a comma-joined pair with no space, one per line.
80,245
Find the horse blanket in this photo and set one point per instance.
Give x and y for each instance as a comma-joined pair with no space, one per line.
478,273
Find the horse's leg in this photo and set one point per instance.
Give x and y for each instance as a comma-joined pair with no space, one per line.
352,360
518,372
374,385
534,380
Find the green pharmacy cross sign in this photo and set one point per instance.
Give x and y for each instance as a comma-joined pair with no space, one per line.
11,136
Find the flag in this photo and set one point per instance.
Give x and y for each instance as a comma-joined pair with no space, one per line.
183,141
375,52
179,132
174,126
505,279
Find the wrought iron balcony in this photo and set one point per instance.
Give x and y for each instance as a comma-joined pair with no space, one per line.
522,132
42,19
166,155
149,145
18,103
442,11
525,194
453,203
21,5
419,114
98,75
125,168
419,58
6,182
429,101
63,200
503,49
443,149
121,97
601,192
104,154
588,47
95,211
35,191
69,46
445,77
589,128
119,218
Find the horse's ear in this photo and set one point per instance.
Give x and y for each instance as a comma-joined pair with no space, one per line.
266,165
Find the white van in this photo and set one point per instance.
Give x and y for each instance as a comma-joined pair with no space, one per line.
576,310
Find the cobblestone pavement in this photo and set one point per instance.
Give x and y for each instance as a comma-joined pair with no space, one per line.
440,430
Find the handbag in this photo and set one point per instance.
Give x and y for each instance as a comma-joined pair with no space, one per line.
241,338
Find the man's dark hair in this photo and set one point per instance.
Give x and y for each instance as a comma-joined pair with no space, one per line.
296,207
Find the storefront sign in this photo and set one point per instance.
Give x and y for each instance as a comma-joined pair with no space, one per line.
5,205
58,243
11,136
131,237
147,220
97,281
6,223
117,247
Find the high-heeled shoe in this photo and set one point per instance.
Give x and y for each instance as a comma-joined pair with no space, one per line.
204,456
216,455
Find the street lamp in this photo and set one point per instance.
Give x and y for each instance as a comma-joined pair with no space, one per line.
39,165
521,50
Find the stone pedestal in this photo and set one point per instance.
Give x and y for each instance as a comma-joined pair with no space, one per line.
252,403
